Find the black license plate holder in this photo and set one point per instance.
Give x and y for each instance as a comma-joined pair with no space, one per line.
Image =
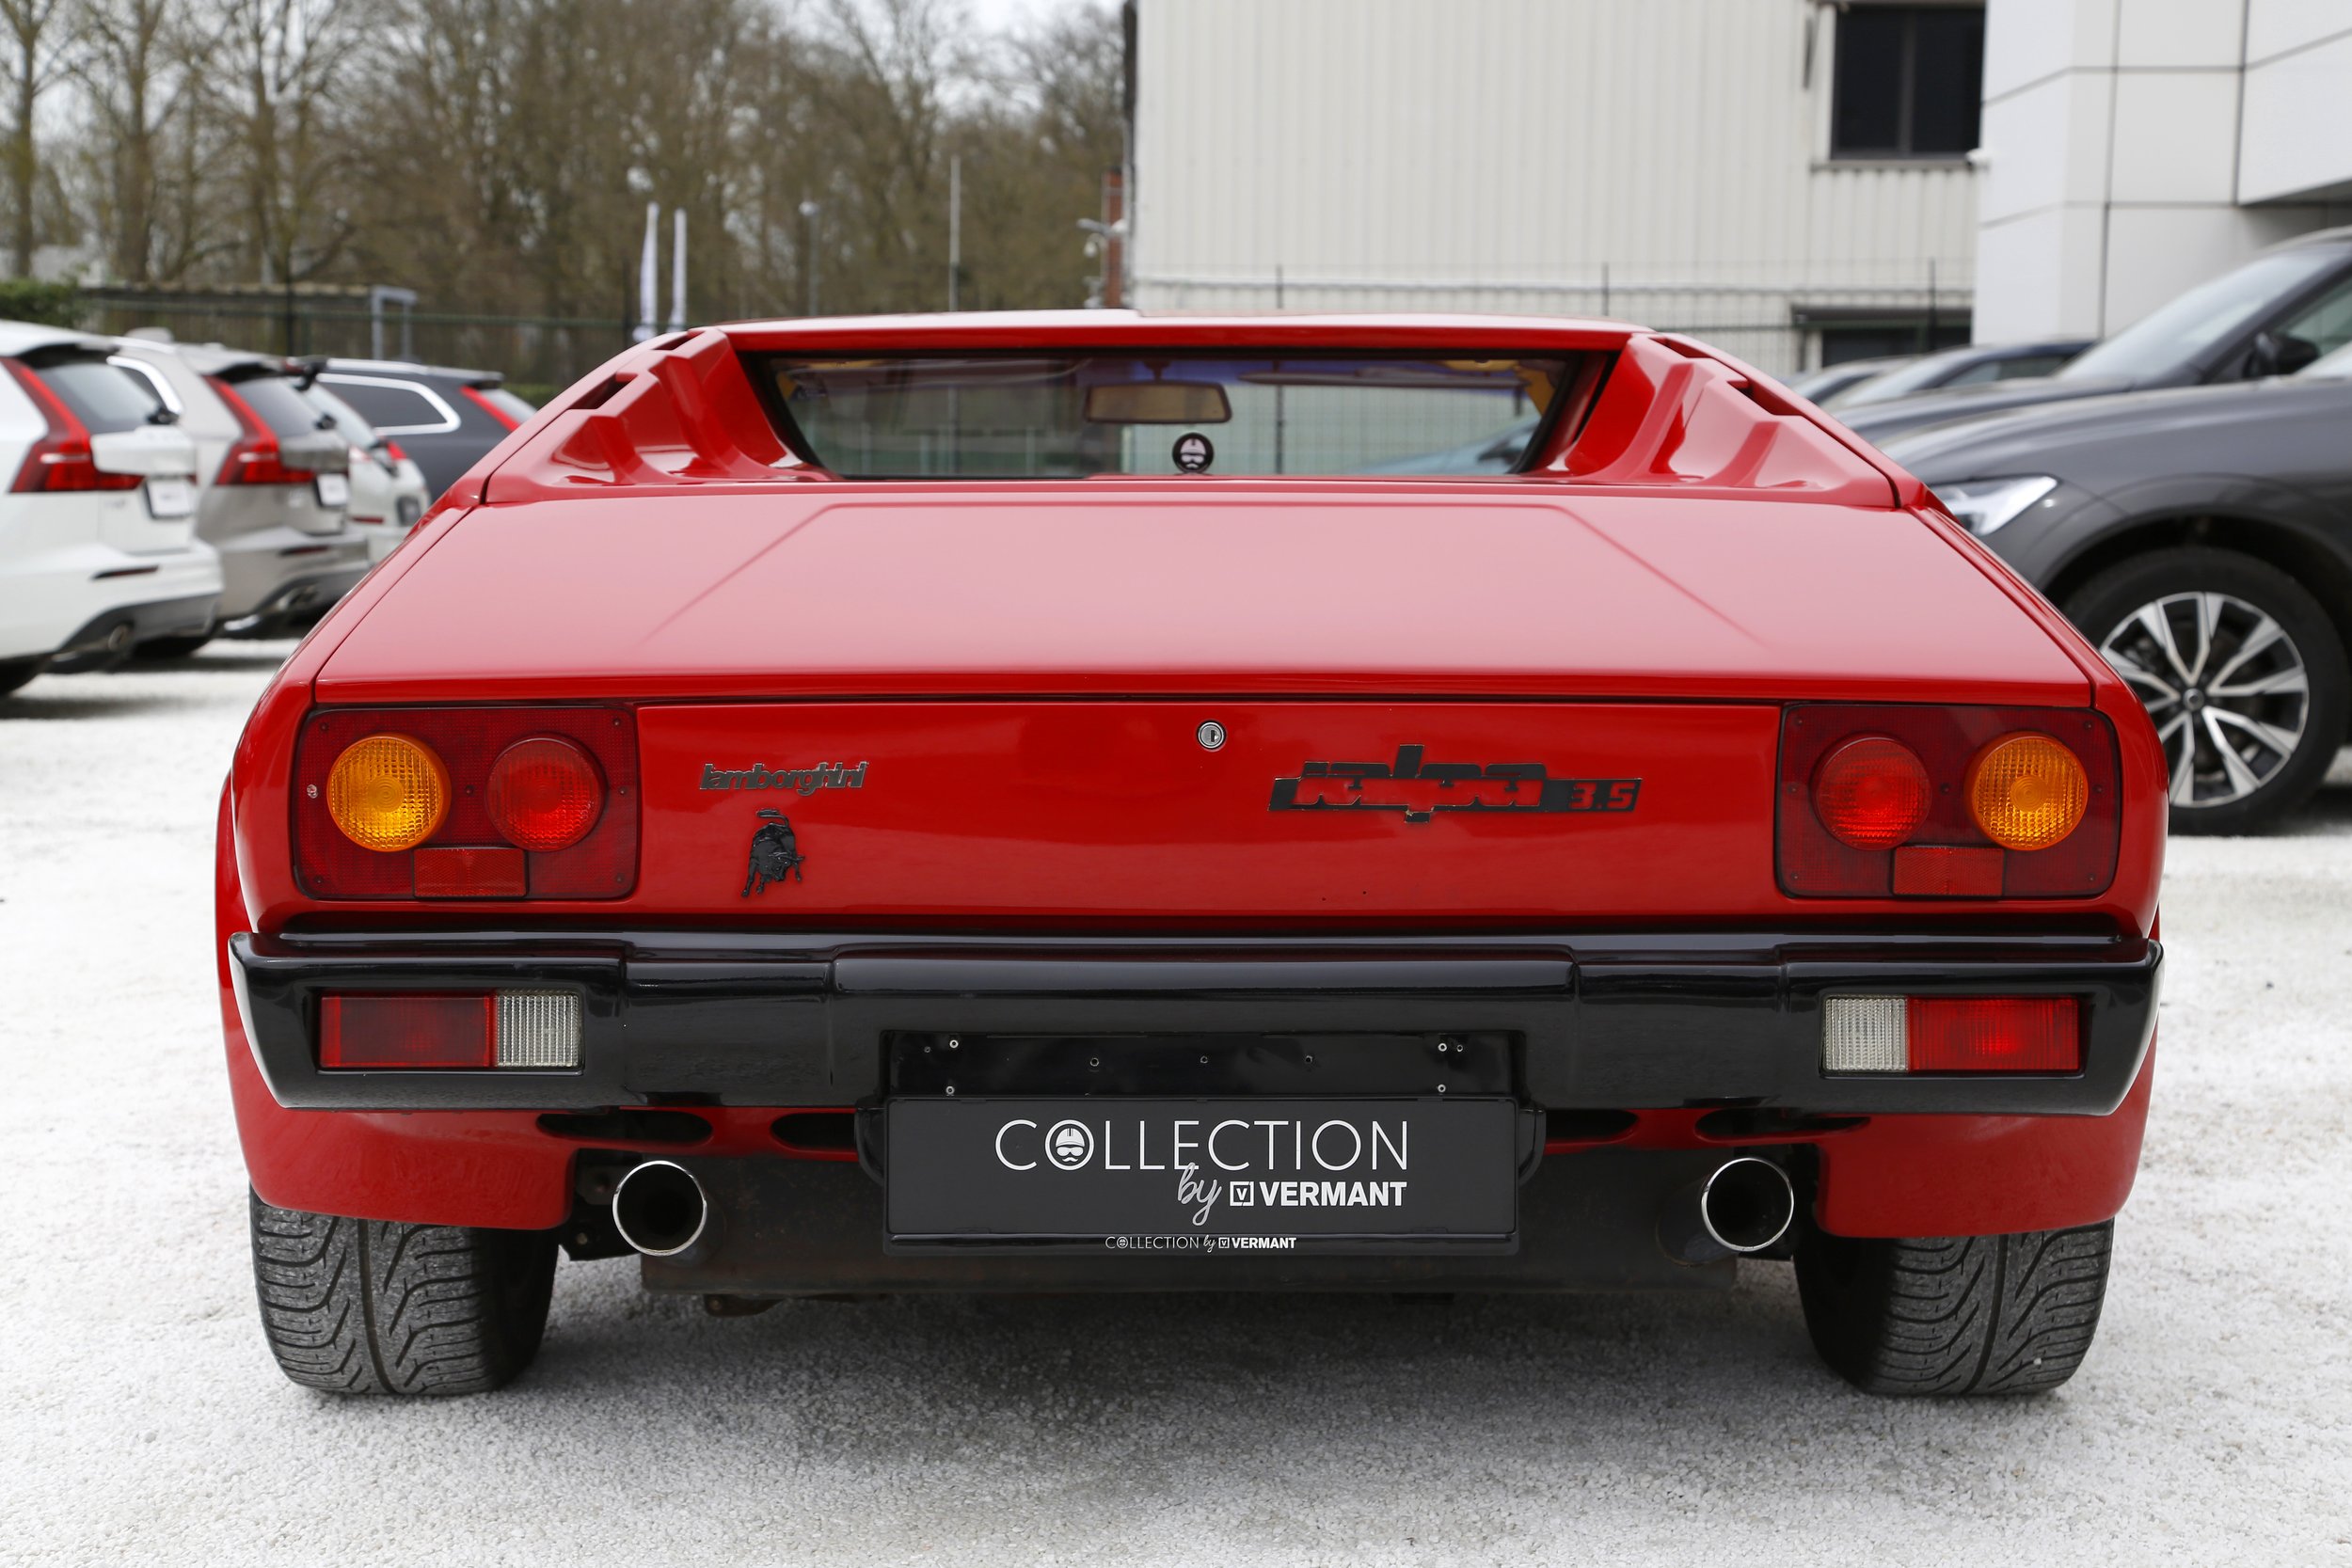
1367,1175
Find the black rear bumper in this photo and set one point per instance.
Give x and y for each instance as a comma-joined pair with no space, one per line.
685,1018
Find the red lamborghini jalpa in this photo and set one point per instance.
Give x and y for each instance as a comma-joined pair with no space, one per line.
1098,800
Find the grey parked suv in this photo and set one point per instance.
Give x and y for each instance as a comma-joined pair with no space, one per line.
2202,538
446,420
2271,316
276,488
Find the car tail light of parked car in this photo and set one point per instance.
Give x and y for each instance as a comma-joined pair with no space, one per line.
1951,1033
1945,802
490,403
414,1029
477,802
61,460
255,457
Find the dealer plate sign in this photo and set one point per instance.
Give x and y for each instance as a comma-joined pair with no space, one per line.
1229,1175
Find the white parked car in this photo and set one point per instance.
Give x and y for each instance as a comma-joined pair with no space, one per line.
275,492
98,544
388,489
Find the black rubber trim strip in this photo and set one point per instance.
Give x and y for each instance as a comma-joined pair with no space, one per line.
1633,1023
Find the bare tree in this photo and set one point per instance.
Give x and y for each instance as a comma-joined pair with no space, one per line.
37,33
279,81
139,67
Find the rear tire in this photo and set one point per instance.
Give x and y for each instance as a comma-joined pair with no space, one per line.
1954,1315
370,1306
2246,596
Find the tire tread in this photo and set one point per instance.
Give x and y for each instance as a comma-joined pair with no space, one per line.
374,1306
2010,1314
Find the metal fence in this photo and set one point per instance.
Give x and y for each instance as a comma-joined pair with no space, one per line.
538,355
541,355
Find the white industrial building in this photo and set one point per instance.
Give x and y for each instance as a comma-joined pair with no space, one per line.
1793,180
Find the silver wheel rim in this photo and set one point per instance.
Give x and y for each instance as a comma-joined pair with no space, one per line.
2226,686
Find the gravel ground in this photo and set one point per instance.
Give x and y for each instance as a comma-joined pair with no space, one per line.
141,1419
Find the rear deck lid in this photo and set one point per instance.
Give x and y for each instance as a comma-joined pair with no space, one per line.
1496,588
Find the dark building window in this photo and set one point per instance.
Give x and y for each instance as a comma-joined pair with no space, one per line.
1909,81
1886,339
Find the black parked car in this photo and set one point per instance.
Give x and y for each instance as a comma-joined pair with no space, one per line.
444,419
2202,538
2272,316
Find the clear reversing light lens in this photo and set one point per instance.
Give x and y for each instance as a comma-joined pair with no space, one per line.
1863,1034
538,1028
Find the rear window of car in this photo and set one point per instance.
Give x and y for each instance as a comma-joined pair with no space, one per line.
393,408
349,423
280,406
1026,416
104,397
506,403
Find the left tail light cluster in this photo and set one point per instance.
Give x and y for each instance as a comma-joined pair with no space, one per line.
513,1029
1898,800
466,803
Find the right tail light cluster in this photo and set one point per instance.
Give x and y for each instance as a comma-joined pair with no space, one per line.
1911,801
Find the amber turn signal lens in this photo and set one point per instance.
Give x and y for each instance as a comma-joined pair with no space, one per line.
387,793
2028,791
545,793
1871,793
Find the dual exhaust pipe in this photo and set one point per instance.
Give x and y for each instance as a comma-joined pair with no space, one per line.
1742,1206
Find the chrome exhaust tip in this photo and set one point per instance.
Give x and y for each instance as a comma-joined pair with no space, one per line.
660,1208
1743,1205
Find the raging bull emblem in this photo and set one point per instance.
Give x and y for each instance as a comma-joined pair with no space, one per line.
775,854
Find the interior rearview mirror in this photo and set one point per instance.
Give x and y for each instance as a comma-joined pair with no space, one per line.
1158,403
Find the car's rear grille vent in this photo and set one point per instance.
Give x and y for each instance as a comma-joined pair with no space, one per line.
1748,1125
1568,1129
627,1126
817,1132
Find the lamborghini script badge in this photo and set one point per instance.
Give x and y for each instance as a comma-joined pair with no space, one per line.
1422,789
775,854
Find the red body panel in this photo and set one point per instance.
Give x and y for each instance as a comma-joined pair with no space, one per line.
1034,658
1125,586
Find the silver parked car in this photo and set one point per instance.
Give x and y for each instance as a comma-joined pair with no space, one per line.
388,489
277,487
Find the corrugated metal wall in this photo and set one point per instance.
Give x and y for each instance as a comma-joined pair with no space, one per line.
1659,160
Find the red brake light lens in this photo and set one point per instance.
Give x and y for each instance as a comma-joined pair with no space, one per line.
545,793
254,457
536,802
413,1030
1911,800
490,405
1871,793
1993,1034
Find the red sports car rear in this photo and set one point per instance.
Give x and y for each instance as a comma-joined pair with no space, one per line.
1106,801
